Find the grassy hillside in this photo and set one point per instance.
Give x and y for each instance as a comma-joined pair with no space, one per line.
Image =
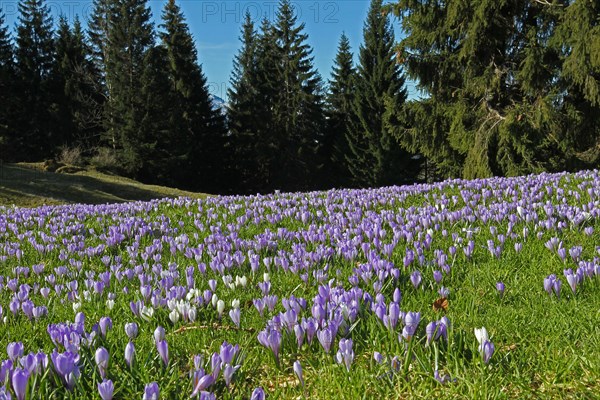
28,185
485,289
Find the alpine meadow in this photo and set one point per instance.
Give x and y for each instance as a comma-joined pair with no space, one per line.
422,222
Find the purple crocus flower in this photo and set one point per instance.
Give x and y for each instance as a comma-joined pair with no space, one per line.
151,391
562,253
500,287
64,363
411,321
15,350
106,389
19,380
129,354
203,382
6,368
159,334
572,279
549,283
556,285
259,304
442,326
212,284
228,372
30,363
397,296
518,247
441,379
163,350
228,352
437,276
258,394
4,393
444,291
415,278
275,343
345,353
101,358
488,351
105,325
215,363
235,315
298,371
325,337
430,331
393,315
131,329
299,332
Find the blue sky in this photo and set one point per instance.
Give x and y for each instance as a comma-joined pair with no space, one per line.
216,26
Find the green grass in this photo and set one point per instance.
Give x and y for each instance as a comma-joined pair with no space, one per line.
546,348
28,185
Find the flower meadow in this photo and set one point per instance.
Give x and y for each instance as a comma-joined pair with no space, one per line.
459,289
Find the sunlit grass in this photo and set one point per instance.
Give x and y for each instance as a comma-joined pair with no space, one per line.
545,347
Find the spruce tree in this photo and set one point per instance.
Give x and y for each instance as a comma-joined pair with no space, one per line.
242,120
155,131
267,93
198,129
130,37
7,92
37,135
497,102
75,91
98,31
298,118
577,41
340,117
67,55
376,158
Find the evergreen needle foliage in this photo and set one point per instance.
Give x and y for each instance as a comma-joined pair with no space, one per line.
506,88
510,87
375,158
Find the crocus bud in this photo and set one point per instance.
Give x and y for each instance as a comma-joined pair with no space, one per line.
129,354
131,329
174,316
163,350
19,383
101,358
298,371
220,307
159,334
258,394
500,287
151,391
106,389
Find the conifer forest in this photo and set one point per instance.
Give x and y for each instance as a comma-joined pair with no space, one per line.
506,88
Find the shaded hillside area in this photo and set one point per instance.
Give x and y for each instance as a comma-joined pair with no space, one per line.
28,185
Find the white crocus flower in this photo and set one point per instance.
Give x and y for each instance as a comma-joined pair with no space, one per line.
147,313
192,314
174,316
220,307
241,281
482,336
